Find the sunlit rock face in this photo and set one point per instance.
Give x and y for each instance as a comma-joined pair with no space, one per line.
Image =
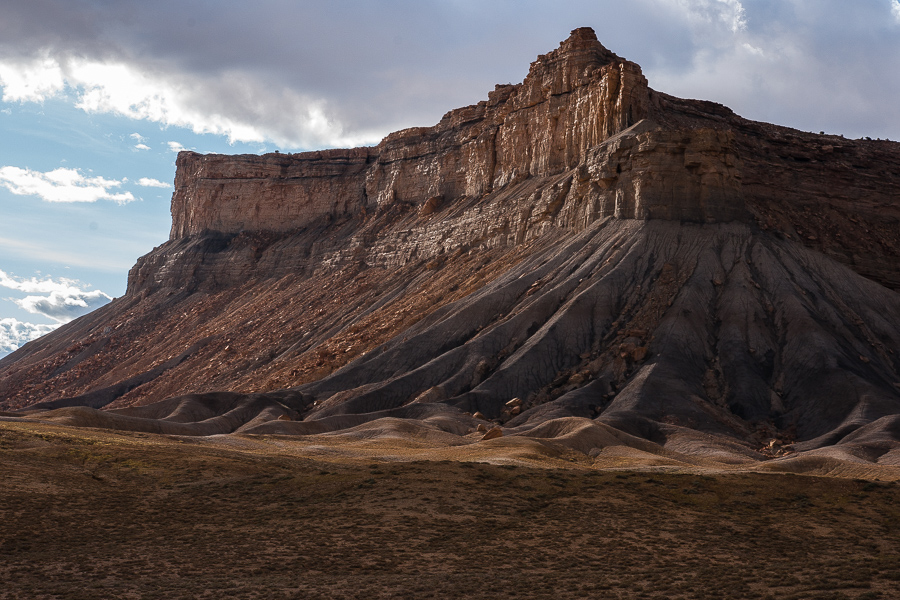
573,100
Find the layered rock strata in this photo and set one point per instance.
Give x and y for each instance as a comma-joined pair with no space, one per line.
573,100
583,137
274,193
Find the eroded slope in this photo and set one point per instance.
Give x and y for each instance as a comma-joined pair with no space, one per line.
578,244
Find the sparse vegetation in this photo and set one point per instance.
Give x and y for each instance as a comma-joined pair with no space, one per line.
93,514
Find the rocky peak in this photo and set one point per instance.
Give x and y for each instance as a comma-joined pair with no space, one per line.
581,138
572,64
551,130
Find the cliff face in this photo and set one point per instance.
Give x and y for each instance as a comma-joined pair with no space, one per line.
581,138
572,101
577,242
273,192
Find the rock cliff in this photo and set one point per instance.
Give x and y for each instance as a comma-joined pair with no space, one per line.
578,242
275,192
586,137
573,100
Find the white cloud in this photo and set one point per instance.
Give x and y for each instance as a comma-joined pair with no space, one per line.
15,333
175,147
148,182
35,285
895,9
32,80
61,185
753,49
64,306
63,298
140,141
235,104
731,13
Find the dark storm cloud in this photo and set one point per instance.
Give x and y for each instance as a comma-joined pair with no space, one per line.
311,73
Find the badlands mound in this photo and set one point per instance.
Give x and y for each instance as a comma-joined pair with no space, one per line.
585,263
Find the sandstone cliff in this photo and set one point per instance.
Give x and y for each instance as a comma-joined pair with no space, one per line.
586,138
579,242
573,100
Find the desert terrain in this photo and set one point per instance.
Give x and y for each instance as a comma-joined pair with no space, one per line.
90,513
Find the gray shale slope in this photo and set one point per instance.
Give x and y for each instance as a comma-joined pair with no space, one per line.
579,246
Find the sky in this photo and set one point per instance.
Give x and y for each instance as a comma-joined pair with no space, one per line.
98,96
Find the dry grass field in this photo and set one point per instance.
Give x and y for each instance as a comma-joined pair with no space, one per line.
95,514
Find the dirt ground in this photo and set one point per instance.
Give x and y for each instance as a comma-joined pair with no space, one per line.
95,514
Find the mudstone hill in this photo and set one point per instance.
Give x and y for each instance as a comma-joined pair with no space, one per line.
579,260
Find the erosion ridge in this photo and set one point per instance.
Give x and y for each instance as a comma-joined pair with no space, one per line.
578,244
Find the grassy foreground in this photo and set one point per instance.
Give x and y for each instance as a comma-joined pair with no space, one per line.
93,514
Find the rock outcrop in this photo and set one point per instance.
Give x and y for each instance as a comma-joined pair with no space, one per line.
581,138
275,192
572,101
578,242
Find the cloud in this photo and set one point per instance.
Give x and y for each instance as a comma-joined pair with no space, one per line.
245,74
62,299
311,75
34,284
148,182
15,333
31,80
140,141
236,104
64,306
175,147
781,67
730,13
61,185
